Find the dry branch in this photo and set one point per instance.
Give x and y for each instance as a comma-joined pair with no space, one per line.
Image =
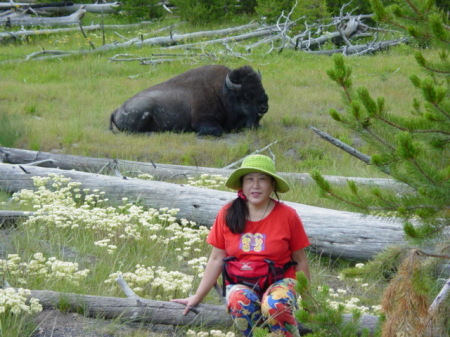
336,233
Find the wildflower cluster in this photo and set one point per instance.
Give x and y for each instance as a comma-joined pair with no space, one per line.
145,176
155,282
40,268
67,207
212,333
198,265
208,181
14,301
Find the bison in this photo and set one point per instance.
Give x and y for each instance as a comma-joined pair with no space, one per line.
209,100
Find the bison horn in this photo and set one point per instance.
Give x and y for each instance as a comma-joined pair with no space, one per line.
232,85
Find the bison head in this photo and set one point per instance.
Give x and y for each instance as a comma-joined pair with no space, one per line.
247,97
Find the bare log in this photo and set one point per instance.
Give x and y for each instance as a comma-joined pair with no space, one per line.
156,312
335,233
166,172
98,8
22,33
62,7
10,217
17,19
135,310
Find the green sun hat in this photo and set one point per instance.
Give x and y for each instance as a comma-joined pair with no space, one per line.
257,163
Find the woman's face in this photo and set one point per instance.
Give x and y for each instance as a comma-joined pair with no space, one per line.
258,187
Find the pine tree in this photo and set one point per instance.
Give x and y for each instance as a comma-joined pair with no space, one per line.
414,150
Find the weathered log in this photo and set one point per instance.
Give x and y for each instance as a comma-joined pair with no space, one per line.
164,172
98,8
335,233
155,312
10,217
62,7
135,310
16,19
21,33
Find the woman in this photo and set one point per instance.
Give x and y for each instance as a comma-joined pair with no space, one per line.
255,227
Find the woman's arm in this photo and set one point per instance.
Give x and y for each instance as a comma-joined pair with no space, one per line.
210,276
299,256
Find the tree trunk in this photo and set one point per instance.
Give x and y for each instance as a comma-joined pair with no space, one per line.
9,217
155,312
336,233
135,310
166,172
27,20
61,7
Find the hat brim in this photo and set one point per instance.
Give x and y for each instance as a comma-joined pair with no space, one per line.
234,181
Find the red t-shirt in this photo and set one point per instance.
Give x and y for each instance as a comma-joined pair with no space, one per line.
275,237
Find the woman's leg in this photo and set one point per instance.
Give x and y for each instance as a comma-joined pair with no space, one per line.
278,305
244,306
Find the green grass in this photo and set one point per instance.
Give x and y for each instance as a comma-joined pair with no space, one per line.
72,98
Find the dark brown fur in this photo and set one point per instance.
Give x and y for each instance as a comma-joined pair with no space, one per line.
199,100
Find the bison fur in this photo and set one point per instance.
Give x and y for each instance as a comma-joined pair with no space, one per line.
208,100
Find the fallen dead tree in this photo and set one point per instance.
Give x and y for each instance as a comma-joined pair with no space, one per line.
130,310
335,233
25,20
10,217
97,8
22,33
61,7
165,172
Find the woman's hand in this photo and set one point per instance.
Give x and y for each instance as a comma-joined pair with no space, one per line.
190,303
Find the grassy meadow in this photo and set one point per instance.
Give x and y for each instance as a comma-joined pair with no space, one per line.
63,105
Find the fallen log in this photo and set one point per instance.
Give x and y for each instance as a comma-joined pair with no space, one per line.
156,312
62,7
97,8
10,217
135,310
335,233
17,19
165,172
94,27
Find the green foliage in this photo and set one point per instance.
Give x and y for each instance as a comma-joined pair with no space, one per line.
272,9
317,314
383,266
142,9
354,7
413,150
207,11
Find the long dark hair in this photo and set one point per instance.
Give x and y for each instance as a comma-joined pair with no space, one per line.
237,215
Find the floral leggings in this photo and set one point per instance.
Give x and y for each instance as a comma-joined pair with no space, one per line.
273,309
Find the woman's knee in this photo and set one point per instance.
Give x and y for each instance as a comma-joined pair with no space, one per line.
239,297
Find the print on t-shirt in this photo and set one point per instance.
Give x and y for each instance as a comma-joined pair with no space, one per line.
252,242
